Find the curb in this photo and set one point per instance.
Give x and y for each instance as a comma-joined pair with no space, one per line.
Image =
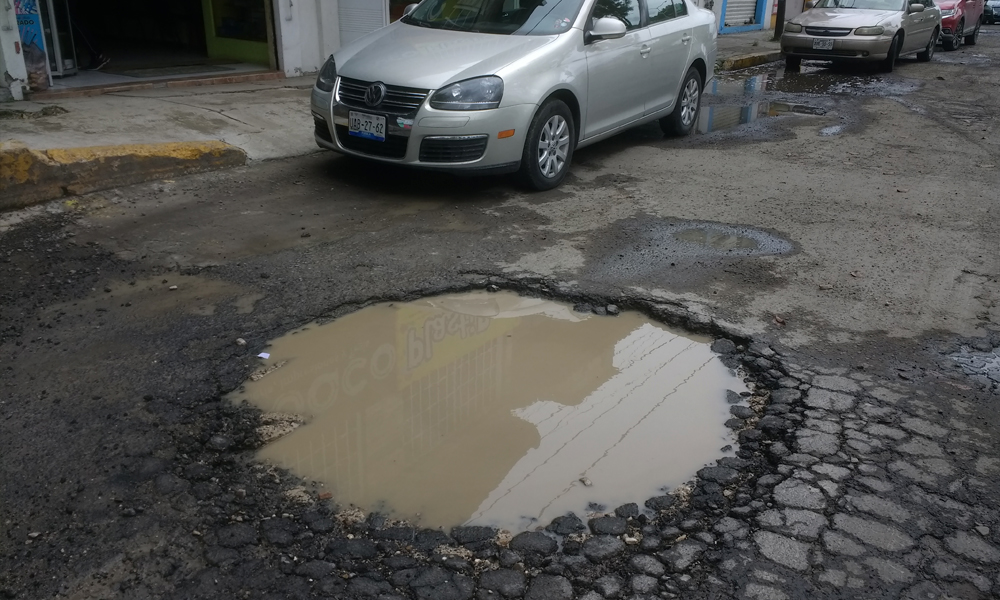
31,176
745,61
97,90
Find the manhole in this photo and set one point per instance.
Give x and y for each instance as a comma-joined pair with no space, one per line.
494,409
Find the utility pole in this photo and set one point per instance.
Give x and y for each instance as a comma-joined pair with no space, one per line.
779,25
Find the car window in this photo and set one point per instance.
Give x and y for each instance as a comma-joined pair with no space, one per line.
680,8
660,10
863,4
514,17
626,11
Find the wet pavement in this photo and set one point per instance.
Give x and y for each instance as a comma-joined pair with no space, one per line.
494,409
852,277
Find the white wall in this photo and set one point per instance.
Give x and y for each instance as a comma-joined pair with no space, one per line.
11,60
308,31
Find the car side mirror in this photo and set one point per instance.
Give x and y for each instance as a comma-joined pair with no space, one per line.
606,28
810,4
915,8
409,8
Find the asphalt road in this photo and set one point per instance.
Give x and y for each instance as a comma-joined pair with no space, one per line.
870,469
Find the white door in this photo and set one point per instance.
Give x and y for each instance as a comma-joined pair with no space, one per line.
670,32
360,17
618,71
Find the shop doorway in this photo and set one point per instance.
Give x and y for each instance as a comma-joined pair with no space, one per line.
122,41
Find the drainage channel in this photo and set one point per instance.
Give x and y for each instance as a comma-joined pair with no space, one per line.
494,409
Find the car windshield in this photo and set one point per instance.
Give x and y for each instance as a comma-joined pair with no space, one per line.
863,4
510,17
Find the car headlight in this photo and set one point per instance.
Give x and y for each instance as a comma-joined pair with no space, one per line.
480,93
327,75
793,27
947,12
869,31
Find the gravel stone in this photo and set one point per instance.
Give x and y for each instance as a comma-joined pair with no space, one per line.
315,569
723,346
741,412
435,583
879,506
774,423
785,396
566,525
550,587
660,502
817,443
351,549
827,400
836,383
798,494
836,543
890,571
973,547
922,427
922,447
783,550
506,582
602,547
721,475
831,471
680,557
608,525
609,586
644,584
647,565
884,537
628,511
756,591
534,542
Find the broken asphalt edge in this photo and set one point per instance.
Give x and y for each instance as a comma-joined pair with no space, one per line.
29,176
745,61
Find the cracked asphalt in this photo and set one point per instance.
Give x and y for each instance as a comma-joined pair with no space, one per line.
866,321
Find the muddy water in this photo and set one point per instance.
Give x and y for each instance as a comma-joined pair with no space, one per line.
491,408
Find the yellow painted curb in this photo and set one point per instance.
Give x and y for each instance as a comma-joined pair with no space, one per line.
30,176
748,60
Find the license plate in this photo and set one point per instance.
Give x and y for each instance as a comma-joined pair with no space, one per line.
364,125
819,44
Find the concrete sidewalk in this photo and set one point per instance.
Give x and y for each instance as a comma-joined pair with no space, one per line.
71,145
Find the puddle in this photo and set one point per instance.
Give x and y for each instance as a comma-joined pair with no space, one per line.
720,117
717,240
494,409
831,130
985,365
815,78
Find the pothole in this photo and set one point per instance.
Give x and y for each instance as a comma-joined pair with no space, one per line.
495,409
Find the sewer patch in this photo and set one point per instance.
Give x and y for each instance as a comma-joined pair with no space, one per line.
494,409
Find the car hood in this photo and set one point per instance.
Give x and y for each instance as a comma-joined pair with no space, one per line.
947,5
420,57
844,17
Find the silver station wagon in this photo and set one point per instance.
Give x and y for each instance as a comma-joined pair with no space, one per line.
502,86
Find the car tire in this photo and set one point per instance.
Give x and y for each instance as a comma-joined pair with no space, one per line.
793,64
972,38
928,52
956,40
889,63
685,115
548,149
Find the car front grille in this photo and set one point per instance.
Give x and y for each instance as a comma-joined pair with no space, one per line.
828,31
811,52
394,146
452,149
322,129
398,100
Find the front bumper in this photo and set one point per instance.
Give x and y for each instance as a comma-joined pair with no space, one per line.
847,48
443,140
948,25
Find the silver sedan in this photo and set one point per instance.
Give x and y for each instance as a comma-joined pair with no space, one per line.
493,86
862,30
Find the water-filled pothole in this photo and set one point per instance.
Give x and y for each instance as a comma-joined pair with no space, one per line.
494,409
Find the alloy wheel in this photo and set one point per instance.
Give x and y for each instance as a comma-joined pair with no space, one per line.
553,146
689,102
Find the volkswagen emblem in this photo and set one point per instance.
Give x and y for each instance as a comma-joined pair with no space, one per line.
375,94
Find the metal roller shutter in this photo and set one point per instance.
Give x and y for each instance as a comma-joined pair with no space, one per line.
738,12
359,17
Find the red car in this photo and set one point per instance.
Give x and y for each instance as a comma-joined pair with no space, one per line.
960,20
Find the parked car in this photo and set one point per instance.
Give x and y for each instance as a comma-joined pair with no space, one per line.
494,86
862,30
991,12
960,21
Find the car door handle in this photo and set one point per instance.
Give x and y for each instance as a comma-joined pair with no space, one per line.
686,38
644,51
